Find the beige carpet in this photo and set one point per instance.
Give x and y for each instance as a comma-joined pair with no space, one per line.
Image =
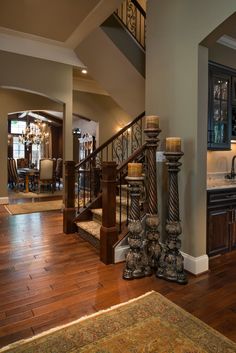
148,324
32,207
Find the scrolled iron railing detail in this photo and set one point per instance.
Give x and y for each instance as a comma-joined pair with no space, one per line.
118,148
136,135
133,17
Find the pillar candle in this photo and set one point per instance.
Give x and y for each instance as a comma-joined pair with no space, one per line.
152,122
173,144
134,169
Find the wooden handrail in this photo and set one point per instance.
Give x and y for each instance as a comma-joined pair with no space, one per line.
105,144
139,7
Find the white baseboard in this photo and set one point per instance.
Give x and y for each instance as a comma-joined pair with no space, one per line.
4,200
120,253
196,265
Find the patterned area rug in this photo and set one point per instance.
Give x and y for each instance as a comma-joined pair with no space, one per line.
31,207
148,324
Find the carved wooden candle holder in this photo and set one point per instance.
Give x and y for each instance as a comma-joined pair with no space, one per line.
153,247
134,267
171,262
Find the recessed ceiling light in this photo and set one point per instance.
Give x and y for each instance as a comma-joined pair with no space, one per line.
84,71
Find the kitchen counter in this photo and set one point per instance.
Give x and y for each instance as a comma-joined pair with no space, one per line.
213,184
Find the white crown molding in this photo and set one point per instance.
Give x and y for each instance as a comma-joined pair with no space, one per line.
227,41
19,43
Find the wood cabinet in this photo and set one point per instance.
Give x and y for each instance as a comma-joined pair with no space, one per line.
221,221
221,107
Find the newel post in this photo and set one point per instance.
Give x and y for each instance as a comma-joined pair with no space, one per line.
108,232
69,198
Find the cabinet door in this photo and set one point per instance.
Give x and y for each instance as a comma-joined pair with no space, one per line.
218,231
219,124
233,230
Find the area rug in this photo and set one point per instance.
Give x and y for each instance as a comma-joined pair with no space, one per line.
148,324
32,207
33,195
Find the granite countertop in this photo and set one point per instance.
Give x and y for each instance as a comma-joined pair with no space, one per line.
218,181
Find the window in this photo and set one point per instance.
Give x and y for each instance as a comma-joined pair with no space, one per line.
17,126
18,148
36,154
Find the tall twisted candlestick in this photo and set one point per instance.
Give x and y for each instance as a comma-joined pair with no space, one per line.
134,267
153,248
171,265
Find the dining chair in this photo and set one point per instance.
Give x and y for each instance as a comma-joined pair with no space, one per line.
59,169
22,163
16,180
46,175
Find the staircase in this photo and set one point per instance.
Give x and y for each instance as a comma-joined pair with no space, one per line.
90,230
96,195
97,201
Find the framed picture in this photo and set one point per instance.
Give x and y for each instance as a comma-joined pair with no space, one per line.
234,90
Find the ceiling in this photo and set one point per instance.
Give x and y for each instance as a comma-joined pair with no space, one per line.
50,29
54,19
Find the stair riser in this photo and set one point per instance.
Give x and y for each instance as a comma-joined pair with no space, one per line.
123,208
88,237
97,218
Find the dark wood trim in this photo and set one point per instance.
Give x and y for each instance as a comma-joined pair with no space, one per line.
69,198
108,232
82,117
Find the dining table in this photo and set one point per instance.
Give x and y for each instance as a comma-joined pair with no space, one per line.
27,172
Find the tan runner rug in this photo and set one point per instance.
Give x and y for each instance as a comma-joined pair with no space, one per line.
148,324
32,207
31,195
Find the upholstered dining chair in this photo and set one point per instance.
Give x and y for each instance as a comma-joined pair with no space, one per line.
59,169
14,179
22,163
46,174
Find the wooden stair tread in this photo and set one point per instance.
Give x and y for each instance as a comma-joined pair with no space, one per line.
98,212
91,227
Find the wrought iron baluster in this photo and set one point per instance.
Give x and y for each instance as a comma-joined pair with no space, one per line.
120,206
84,187
78,190
90,181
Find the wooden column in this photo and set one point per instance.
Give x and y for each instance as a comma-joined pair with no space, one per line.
69,198
108,232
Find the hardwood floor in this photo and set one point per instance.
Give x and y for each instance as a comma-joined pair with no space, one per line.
48,278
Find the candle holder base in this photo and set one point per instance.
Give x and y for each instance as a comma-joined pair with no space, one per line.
171,263
153,237
134,267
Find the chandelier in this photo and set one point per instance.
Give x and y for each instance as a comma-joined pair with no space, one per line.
35,133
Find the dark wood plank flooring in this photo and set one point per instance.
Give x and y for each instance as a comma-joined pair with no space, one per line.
48,278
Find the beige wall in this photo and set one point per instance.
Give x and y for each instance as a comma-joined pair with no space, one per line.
176,88
220,161
113,71
102,109
43,77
